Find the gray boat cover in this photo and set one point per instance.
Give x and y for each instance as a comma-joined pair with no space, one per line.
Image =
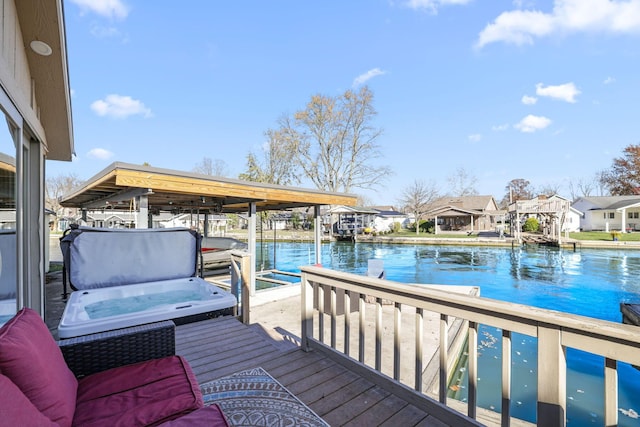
103,257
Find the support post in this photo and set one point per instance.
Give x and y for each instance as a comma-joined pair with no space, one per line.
306,330
142,216
252,246
317,233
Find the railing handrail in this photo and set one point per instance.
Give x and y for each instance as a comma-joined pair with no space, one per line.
520,318
554,330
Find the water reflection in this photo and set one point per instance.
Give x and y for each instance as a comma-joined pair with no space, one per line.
8,261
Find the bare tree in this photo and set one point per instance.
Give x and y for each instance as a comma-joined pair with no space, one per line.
462,183
214,167
278,165
600,184
335,142
55,188
418,198
549,189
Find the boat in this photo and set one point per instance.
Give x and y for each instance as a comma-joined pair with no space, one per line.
216,251
630,313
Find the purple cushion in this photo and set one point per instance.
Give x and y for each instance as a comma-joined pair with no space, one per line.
146,393
31,359
210,416
16,410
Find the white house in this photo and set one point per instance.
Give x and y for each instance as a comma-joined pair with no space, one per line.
605,213
384,220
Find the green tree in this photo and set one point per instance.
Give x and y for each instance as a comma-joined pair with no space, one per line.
517,189
531,225
624,176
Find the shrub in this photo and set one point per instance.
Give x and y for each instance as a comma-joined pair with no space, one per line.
395,227
531,225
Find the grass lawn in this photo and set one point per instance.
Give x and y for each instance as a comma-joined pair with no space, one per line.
603,235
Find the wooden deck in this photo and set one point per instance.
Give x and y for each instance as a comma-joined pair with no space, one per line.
219,347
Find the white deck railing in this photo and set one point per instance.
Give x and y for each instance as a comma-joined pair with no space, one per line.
555,331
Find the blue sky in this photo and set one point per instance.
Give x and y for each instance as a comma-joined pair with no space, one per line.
546,91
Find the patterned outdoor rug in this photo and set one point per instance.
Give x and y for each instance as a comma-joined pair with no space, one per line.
255,398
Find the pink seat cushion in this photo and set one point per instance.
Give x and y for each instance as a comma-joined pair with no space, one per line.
146,393
16,410
210,416
31,359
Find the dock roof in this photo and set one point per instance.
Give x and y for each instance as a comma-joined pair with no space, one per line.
170,190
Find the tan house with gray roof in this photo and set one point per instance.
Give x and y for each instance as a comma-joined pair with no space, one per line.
467,213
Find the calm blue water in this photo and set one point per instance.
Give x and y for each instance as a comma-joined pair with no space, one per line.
588,282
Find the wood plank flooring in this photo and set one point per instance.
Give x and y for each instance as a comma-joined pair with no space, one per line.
219,347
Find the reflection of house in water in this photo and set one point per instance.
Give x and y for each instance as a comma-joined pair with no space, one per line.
7,192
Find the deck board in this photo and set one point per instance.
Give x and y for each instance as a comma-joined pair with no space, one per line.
219,347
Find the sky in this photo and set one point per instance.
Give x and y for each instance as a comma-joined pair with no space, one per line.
545,91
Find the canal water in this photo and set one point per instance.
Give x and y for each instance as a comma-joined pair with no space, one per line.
587,282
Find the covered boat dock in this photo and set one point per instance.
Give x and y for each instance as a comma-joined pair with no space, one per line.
155,189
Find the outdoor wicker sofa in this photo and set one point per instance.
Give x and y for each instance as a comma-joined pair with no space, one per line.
129,377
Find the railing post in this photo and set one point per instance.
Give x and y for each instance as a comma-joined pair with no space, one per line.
610,392
397,339
347,322
506,378
419,350
552,377
444,358
241,283
472,361
306,327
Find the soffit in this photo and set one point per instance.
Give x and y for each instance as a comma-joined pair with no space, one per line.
170,190
44,21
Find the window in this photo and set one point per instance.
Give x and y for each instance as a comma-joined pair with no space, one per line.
612,215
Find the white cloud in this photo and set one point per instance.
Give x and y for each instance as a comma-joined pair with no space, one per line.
609,80
566,92
99,153
107,8
529,100
532,123
104,32
433,5
500,128
476,137
521,27
363,78
120,107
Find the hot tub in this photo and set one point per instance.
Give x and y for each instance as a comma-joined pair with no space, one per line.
104,309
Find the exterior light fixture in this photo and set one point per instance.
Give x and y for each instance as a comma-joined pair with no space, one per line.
41,48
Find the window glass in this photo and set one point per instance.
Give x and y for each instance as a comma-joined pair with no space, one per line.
8,282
